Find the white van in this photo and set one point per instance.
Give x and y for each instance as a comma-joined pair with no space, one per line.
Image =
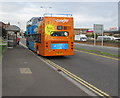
107,38
81,37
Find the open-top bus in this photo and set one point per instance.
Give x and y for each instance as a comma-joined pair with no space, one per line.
51,35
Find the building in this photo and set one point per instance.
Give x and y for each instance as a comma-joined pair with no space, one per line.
78,31
3,26
112,33
86,31
89,32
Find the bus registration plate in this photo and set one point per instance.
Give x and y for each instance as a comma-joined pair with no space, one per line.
59,46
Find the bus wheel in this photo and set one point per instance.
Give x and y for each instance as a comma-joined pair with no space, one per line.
37,51
29,48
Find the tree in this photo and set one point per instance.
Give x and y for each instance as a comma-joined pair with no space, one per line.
93,35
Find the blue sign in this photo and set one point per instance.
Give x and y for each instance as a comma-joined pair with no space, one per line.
59,46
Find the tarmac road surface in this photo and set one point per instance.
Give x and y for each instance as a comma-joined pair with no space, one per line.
26,75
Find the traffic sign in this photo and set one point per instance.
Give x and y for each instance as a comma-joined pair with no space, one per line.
98,28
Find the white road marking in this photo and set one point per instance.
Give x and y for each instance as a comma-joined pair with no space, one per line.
85,89
25,71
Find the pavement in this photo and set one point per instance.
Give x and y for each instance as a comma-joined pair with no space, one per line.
24,74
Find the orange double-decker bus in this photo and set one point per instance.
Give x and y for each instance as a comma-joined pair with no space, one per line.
51,36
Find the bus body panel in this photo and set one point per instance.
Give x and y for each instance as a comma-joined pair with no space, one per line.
31,45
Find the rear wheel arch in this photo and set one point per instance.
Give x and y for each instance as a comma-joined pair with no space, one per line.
37,50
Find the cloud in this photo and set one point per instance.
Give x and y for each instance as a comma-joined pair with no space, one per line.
85,14
60,1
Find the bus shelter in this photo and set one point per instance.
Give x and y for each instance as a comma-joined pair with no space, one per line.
12,31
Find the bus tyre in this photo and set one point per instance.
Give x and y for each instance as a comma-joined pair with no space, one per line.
37,51
29,48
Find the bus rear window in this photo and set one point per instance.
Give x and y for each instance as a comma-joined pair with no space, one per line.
59,33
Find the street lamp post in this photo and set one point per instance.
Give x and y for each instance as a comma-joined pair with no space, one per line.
45,8
20,33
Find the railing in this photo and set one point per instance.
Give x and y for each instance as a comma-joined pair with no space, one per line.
57,15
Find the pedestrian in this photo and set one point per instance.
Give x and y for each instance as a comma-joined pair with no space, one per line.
27,41
18,40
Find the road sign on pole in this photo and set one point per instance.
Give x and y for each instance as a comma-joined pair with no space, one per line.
119,15
98,28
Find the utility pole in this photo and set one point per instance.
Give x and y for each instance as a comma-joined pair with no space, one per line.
119,15
45,9
19,26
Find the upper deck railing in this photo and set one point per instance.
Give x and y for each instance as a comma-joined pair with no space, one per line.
57,15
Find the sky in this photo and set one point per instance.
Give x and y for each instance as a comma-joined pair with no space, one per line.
85,13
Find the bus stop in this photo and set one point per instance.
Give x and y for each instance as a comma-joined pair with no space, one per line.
12,31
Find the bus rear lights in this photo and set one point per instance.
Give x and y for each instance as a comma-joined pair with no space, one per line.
46,48
46,45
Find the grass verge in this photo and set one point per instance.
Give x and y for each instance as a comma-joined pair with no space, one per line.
2,49
99,52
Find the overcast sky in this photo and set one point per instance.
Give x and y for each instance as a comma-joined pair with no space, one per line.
85,13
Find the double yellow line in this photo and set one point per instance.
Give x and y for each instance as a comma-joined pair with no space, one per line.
78,79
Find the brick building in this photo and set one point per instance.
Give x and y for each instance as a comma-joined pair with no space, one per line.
89,32
112,33
86,31
2,29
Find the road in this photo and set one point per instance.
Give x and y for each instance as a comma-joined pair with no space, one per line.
99,71
111,50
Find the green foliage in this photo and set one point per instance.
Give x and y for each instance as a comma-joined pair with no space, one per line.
93,35
112,41
2,49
